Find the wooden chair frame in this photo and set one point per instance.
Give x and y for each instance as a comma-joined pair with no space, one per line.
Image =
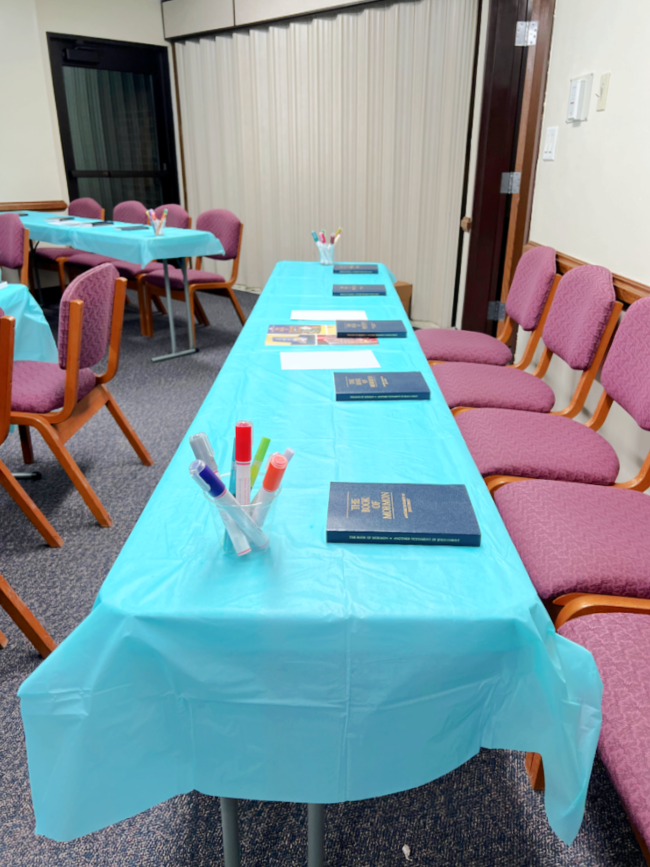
509,326
579,605
7,480
217,288
59,426
31,628
587,377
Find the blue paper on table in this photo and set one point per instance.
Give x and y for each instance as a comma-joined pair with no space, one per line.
358,289
374,327
389,385
315,673
364,268
403,514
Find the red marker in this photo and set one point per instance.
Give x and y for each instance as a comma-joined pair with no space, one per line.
268,492
243,457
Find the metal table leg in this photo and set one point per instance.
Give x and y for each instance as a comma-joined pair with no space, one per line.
37,278
170,314
230,831
315,835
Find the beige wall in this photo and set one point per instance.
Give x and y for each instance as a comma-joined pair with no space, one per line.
592,201
31,160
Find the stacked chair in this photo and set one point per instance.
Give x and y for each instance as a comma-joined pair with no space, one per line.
229,230
527,306
14,246
58,399
54,258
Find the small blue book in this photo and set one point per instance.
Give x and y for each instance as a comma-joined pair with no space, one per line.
358,290
363,268
401,515
364,327
381,386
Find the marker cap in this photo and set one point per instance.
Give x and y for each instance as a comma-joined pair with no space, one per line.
215,486
274,472
243,442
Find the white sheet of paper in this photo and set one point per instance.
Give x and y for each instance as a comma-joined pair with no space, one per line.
328,315
358,359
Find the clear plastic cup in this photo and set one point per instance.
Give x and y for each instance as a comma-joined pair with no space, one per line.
217,510
326,253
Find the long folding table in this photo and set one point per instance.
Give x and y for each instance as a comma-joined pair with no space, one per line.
318,672
124,241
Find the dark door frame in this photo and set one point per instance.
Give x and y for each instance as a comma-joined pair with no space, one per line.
88,52
512,100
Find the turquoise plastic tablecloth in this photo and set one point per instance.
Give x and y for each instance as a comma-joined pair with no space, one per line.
33,340
141,247
317,672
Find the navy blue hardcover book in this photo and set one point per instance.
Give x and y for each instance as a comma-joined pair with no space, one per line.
357,289
401,515
363,268
364,327
381,386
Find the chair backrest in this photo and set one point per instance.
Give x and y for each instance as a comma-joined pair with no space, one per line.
96,288
7,324
225,226
582,305
177,217
130,212
86,207
531,286
625,375
12,241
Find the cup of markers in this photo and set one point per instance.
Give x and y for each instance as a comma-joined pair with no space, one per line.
325,250
242,521
158,224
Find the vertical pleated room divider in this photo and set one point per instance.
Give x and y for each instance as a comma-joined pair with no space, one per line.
356,118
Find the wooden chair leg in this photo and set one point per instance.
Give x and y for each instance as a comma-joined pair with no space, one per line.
26,444
193,314
201,315
235,302
62,281
63,456
25,620
148,312
535,771
160,307
128,430
142,304
4,641
29,508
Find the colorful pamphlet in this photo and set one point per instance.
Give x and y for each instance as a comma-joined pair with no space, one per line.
381,386
401,514
311,335
378,327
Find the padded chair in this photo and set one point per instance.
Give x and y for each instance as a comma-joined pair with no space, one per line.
509,446
58,399
24,620
225,226
527,305
618,638
578,329
7,480
14,246
54,258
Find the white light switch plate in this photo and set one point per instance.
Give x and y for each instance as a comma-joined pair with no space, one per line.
601,105
550,142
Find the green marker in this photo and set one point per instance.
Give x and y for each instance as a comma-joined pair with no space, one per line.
259,457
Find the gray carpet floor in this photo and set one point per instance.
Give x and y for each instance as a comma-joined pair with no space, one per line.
484,813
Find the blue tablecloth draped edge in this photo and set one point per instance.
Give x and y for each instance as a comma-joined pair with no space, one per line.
318,672
33,340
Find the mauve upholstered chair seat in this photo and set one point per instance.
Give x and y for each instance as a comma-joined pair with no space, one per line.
536,445
157,277
620,645
579,538
130,270
39,386
445,344
485,385
88,260
54,253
